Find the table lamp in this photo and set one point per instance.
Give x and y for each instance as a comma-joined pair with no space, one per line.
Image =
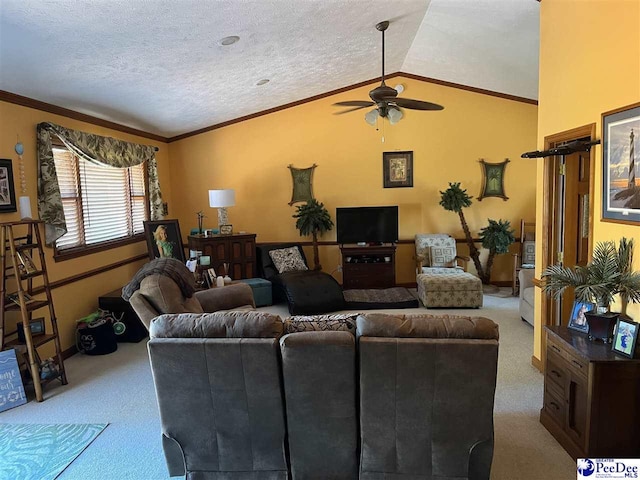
221,199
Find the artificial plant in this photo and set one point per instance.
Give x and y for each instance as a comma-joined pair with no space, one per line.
496,237
313,219
609,273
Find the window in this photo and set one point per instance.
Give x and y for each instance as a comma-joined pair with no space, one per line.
101,204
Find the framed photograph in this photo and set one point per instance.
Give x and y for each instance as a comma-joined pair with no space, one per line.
37,328
624,341
211,273
164,239
620,159
7,191
226,229
397,169
493,179
26,262
578,320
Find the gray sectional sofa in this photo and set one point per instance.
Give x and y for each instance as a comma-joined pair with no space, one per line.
369,396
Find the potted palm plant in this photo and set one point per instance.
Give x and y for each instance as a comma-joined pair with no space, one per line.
313,219
496,237
609,273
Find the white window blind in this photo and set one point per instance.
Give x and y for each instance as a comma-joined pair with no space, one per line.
100,203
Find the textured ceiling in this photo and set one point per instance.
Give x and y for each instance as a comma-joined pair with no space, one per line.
156,65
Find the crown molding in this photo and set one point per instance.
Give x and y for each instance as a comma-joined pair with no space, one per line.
83,117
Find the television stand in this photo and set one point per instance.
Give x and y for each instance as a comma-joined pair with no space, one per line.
368,267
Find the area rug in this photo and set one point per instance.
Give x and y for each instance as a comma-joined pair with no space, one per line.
37,451
370,299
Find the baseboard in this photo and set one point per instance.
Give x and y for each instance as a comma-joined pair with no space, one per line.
537,363
69,352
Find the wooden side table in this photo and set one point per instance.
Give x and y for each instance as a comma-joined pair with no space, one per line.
591,397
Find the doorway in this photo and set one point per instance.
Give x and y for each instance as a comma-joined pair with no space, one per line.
567,225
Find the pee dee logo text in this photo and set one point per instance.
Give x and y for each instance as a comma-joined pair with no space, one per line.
594,468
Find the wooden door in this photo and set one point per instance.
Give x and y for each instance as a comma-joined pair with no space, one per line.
573,229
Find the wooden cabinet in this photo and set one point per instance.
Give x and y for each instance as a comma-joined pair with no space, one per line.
368,267
591,397
238,250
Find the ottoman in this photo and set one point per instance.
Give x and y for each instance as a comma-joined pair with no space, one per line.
261,290
452,290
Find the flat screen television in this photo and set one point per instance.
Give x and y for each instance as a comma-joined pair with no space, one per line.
367,224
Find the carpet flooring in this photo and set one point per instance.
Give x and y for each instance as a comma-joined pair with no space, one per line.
118,388
41,452
370,299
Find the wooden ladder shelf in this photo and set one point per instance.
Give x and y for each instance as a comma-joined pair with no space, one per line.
18,242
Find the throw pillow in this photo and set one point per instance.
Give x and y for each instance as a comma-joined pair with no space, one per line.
287,260
443,257
337,322
529,252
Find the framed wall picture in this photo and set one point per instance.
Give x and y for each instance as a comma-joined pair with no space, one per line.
578,320
397,169
7,190
620,159
164,239
493,179
624,340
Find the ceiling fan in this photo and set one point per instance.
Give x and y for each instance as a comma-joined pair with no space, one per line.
385,98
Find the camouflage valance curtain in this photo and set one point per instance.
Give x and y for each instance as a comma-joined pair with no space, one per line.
92,148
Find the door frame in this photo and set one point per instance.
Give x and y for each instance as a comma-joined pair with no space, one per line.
549,215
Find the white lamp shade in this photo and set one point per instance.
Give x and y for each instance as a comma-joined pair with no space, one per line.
395,114
371,117
222,198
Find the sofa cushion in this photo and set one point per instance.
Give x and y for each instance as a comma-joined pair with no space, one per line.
337,322
166,296
426,326
528,295
288,260
229,324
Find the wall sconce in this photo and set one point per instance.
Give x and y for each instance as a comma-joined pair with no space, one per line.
221,199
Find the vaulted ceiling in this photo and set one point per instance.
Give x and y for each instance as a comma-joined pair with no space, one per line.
158,65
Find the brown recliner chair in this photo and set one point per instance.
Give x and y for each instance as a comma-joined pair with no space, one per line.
159,294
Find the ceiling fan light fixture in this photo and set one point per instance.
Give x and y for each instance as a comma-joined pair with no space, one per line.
372,117
394,115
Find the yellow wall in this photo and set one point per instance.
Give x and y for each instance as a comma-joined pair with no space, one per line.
80,298
252,157
589,64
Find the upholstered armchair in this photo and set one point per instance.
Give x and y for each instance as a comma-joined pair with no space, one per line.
436,253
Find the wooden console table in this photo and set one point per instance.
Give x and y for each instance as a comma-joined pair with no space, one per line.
368,267
591,397
238,250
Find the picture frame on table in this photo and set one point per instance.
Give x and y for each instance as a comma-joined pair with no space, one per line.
37,326
211,273
26,262
620,162
226,229
624,340
164,239
578,319
7,189
397,169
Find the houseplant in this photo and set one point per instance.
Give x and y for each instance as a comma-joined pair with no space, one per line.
313,219
496,237
609,273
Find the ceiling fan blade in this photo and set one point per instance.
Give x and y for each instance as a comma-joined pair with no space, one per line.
415,104
354,103
352,109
